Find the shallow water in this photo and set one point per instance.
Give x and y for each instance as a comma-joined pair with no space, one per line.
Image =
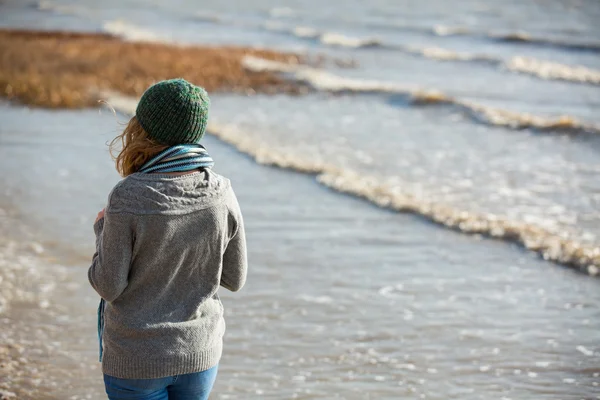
541,178
478,135
343,300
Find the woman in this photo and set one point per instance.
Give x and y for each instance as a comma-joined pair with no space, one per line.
171,234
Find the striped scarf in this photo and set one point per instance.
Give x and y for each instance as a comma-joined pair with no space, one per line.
180,158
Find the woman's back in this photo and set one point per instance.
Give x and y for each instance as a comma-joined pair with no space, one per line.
164,317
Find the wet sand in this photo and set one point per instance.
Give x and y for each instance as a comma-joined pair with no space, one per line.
343,298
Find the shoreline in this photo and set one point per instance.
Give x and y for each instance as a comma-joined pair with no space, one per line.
34,311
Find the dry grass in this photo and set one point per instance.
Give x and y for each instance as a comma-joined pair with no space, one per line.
66,70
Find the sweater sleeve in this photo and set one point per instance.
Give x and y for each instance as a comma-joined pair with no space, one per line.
109,271
235,259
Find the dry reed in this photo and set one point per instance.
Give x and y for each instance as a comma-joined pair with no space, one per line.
68,70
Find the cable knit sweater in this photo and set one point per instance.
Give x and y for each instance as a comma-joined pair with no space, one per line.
164,246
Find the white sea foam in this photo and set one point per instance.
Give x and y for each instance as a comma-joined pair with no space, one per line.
518,36
306,32
441,54
583,350
553,70
443,30
132,32
390,291
328,38
526,65
338,39
322,80
526,37
316,299
543,364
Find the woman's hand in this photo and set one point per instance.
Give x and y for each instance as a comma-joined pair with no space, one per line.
100,215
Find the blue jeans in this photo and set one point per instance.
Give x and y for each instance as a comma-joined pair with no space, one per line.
196,386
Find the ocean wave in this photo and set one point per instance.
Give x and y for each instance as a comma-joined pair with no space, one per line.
342,40
131,32
539,68
515,120
550,245
327,38
509,37
306,32
525,37
524,65
552,70
512,37
337,39
443,30
322,80
325,81
438,53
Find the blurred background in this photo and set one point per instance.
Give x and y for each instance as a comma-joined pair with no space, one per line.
420,182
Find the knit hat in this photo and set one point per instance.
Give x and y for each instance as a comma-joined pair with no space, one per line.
174,112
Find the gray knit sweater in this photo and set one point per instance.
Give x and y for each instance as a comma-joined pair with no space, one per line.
164,246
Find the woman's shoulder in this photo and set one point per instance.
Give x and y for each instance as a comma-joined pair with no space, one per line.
124,190
157,194
126,187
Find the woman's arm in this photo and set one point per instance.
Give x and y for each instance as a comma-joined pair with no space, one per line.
110,264
235,259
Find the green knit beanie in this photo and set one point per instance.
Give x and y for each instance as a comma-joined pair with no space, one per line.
174,112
